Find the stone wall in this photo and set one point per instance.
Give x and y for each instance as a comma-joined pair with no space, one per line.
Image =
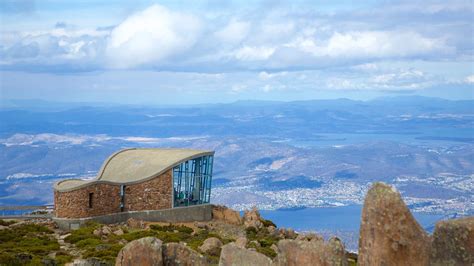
154,194
75,204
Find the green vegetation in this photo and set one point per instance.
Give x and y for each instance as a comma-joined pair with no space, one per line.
265,240
107,247
34,244
351,259
83,233
267,223
29,244
7,223
172,228
93,246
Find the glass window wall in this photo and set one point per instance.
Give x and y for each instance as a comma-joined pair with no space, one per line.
192,181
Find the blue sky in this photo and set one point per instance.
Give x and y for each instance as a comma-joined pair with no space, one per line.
215,51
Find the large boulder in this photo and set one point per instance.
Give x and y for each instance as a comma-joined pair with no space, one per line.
211,246
177,254
252,218
231,254
241,242
143,251
226,215
315,252
453,242
389,235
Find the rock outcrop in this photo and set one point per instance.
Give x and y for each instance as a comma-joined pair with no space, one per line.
177,254
316,253
104,230
241,242
453,242
287,233
144,251
225,214
211,246
231,254
389,234
309,237
252,218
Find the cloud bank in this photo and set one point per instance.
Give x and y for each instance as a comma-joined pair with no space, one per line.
397,46
160,38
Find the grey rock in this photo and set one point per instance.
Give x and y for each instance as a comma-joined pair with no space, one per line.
389,234
175,254
231,254
211,246
144,251
453,242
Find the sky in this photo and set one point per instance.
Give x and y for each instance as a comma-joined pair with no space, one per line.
189,52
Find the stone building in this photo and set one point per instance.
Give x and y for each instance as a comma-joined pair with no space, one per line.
137,181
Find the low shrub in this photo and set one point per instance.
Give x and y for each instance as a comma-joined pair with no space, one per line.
172,228
7,223
267,251
251,232
26,244
83,233
198,238
268,241
87,243
107,253
130,236
268,223
62,257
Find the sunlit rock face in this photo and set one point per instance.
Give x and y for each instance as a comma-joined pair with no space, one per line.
453,242
389,234
144,251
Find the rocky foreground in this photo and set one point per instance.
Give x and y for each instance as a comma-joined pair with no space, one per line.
389,235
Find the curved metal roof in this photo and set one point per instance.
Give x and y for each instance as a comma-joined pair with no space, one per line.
135,165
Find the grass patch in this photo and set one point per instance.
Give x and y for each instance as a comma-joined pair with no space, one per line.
267,251
265,240
7,223
83,233
172,228
104,252
27,244
267,223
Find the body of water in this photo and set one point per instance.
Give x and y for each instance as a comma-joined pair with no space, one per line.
345,218
438,138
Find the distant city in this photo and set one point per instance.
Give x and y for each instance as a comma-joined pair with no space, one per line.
274,155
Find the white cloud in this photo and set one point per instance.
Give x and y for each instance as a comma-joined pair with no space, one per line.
266,76
254,53
366,67
234,32
370,44
26,139
151,37
282,39
469,79
75,139
267,88
236,88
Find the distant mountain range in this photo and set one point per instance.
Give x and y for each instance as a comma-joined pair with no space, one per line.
273,154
